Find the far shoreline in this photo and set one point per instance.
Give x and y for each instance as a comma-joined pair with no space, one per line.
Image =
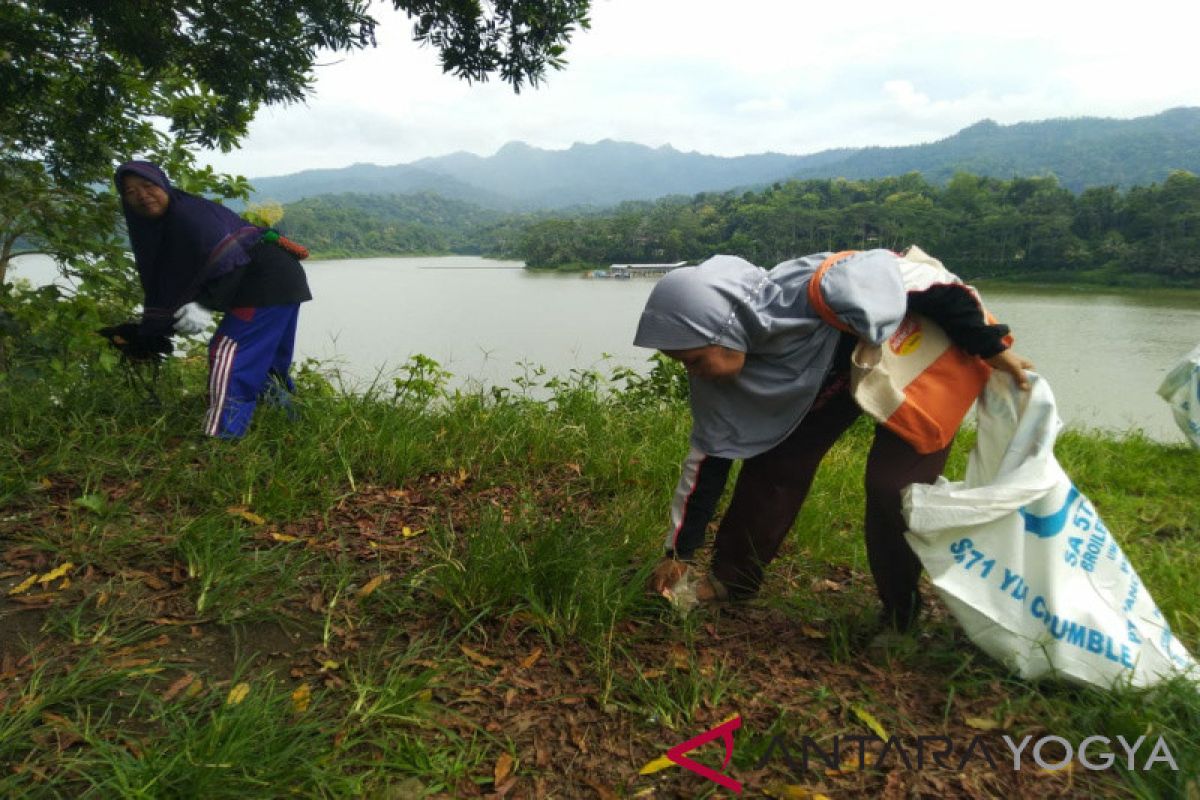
1088,281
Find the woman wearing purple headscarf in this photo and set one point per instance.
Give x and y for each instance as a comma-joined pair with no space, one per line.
194,256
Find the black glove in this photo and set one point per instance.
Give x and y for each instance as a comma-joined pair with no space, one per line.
134,345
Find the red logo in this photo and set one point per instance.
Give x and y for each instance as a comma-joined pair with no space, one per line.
906,338
723,731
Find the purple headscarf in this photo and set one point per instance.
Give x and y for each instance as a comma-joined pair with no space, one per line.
195,241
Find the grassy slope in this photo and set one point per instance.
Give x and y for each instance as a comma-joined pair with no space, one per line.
447,601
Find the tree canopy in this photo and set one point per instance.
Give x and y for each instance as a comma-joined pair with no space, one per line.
87,84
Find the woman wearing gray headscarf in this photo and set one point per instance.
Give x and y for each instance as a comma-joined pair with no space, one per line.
769,381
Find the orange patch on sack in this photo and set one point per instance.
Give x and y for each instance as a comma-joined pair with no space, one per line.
906,338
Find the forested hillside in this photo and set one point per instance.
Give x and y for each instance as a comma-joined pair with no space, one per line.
1080,153
1024,227
368,225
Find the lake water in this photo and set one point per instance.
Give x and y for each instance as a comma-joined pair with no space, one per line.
1103,352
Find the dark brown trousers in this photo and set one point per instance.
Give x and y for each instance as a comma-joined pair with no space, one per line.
772,487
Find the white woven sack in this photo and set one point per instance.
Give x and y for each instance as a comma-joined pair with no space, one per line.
1025,563
1181,388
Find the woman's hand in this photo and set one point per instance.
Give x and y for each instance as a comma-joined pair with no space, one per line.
1013,364
666,574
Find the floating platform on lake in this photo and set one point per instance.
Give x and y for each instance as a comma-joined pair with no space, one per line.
621,271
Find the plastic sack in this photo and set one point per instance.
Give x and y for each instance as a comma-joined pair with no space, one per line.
682,595
1181,388
1024,561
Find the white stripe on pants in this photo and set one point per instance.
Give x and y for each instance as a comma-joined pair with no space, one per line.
224,351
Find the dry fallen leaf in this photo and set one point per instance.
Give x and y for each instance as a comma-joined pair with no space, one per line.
503,768
851,763
471,696
56,573
161,640
981,723
870,720
129,663
532,658
679,656
146,671
284,537
237,694
1046,772
792,791
36,601
657,765
193,689
372,584
24,585
602,791
811,632
477,657
301,698
178,686
246,514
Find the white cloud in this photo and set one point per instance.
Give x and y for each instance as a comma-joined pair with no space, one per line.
905,96
758,75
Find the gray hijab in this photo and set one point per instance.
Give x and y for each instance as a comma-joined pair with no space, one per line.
728,301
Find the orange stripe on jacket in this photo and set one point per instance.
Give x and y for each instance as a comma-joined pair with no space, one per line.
817,300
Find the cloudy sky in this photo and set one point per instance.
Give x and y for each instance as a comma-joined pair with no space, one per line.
730,78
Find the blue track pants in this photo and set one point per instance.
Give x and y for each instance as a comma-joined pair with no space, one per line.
248,359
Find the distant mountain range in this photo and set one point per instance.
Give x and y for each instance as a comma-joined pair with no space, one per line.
1081,152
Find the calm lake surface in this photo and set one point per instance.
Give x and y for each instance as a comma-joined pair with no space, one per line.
488,322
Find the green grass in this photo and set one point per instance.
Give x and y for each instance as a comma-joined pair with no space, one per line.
455,581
